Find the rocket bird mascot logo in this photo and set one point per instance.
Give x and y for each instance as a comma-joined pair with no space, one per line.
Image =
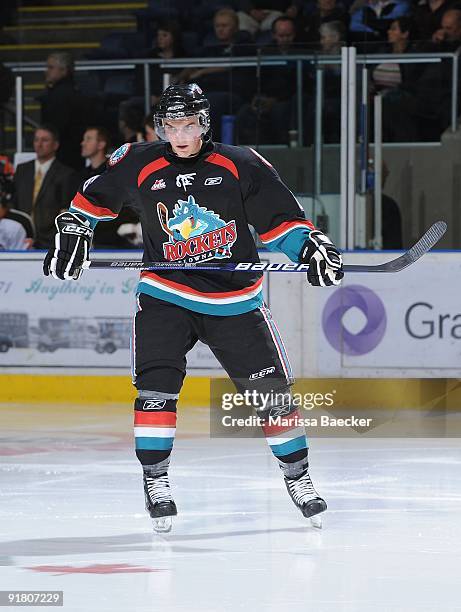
195,233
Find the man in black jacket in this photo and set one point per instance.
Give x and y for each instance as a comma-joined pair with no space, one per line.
43,187
63,106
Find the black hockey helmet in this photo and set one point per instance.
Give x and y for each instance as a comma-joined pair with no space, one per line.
179,102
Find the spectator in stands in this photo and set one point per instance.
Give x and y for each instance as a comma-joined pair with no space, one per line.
260,15
130,122
226,87
95,145
226,36
325,10
332,38
389,78
374,17
43,187
428,17
12,234
419,108
64,107
267,118
6,197
448,36
167,45
148,133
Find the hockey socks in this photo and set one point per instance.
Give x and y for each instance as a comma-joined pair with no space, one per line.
154,428
287,441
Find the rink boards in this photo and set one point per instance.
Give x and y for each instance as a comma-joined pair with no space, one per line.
404,326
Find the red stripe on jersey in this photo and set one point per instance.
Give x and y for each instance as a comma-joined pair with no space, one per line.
225,162
283,227
187,289
158,164
155,419
292,421
96,211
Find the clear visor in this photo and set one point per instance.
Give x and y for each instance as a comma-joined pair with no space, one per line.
180,130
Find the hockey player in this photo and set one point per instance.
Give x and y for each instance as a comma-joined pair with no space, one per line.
195,199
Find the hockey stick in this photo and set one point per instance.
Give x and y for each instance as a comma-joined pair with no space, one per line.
424,244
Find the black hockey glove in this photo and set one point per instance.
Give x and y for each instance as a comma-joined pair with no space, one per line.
324,259
72,244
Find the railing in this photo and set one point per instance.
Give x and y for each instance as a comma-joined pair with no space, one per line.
259,60
352,216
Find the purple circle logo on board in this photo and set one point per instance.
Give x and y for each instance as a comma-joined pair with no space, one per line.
342,300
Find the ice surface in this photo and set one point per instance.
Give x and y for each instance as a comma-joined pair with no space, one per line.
72,518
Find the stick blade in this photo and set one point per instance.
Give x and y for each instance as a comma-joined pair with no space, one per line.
428,240
424,244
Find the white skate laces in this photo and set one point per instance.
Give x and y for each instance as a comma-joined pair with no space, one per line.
159,502
158,489
306,498
301,490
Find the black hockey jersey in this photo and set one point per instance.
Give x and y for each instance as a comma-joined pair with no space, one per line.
199,209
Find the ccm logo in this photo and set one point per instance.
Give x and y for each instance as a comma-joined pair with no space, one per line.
262,373
76,229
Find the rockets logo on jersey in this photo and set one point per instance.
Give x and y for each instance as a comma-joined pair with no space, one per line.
195,233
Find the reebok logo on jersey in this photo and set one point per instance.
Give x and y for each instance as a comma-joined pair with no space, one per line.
159,184
213,180
183,180
262,373
155,404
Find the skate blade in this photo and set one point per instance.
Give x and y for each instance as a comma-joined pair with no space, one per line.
162,524
316,521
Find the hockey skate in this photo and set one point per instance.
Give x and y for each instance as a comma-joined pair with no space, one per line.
306,498
159,503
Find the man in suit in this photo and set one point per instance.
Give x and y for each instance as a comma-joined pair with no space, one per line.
43,187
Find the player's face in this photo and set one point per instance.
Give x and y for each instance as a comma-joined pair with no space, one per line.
184,135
